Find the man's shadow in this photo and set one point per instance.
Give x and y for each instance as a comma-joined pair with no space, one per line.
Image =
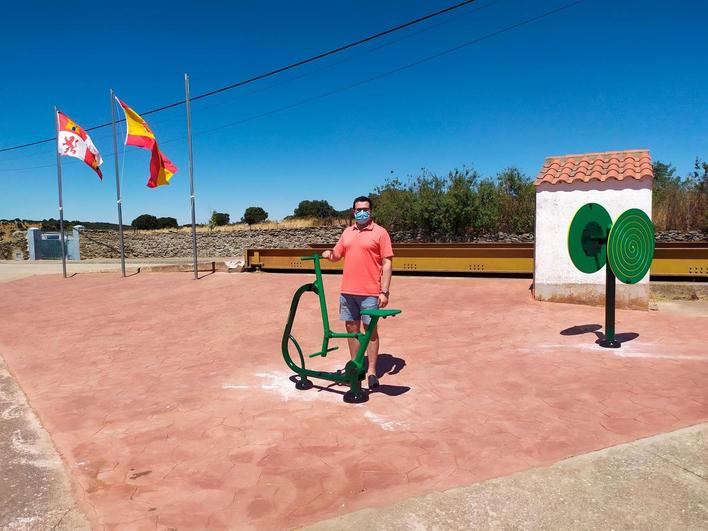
388,364
595,329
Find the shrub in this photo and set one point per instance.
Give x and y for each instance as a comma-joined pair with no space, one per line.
254,215
145,222
218,219
315,209
167,223
457,206
50,224
680,204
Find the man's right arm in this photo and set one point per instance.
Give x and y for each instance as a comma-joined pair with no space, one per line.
336,253
330,255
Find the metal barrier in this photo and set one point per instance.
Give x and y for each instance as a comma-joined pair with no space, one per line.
670,259
47,245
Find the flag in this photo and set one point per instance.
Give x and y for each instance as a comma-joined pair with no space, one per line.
140,135
72,141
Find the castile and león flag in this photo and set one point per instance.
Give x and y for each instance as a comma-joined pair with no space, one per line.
73,141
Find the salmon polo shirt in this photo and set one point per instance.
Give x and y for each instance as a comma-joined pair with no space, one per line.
363,251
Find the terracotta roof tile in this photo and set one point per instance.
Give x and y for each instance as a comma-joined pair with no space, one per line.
630,164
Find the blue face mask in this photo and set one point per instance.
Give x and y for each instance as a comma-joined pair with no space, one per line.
362,216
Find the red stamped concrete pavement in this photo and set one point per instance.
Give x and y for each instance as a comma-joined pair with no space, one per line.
171,406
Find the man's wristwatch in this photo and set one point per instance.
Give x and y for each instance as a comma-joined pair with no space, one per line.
385,292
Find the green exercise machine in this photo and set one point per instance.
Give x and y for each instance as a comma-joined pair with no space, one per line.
353,372
625,247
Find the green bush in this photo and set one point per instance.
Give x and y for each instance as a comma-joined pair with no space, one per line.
458,206
218,219
680,204
254,215
517,198
50,224
315,209
145,222
167,223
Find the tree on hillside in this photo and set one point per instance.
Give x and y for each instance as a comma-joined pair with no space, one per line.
50,224
145,222
219,218
254,215
315,209
166,223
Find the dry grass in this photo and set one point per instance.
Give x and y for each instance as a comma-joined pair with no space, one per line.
7,228
268,225
682,210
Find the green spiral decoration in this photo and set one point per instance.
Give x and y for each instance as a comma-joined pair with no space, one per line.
630,246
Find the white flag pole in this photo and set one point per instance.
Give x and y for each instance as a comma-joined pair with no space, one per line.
191,174
61,202
120,209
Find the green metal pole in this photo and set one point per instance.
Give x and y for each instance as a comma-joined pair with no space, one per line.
610,283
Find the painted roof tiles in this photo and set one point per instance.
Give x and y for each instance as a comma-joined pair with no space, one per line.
630,164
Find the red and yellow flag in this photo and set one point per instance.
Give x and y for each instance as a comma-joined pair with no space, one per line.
73,141
140,135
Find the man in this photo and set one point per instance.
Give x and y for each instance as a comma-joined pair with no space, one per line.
367,252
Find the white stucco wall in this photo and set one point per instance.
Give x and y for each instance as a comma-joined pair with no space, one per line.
555,276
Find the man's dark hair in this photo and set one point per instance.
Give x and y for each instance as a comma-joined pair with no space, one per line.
361,199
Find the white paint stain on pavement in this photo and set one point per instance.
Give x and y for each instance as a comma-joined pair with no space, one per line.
384,423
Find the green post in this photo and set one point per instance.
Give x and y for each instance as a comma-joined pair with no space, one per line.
625,249
610,283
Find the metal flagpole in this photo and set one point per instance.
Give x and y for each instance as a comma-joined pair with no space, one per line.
120,210
191,174
61,203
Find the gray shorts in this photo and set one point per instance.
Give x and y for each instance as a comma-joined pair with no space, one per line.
350,307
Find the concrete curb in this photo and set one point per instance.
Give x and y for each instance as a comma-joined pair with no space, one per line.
660,483
35,490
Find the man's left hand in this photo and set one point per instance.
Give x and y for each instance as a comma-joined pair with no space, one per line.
383,300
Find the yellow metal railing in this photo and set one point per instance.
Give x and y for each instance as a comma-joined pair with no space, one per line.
670,259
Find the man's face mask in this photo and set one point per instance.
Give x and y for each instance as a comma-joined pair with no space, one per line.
362,216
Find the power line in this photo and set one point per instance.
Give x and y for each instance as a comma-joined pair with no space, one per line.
369,79
398,69
389,72
274,72
345,59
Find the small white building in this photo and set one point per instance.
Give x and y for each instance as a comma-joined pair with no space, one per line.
617,180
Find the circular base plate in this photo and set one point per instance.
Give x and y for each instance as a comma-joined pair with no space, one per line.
586,237
630,246
606,343
304,384
356,398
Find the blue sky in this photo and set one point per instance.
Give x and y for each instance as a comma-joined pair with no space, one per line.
601,75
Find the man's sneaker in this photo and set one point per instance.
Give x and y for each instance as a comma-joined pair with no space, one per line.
373,381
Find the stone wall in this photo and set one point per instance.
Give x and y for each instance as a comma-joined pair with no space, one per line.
217,244
231,244
18,241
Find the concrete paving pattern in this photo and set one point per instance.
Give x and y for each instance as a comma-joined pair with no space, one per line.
171,406
34,491
653,484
